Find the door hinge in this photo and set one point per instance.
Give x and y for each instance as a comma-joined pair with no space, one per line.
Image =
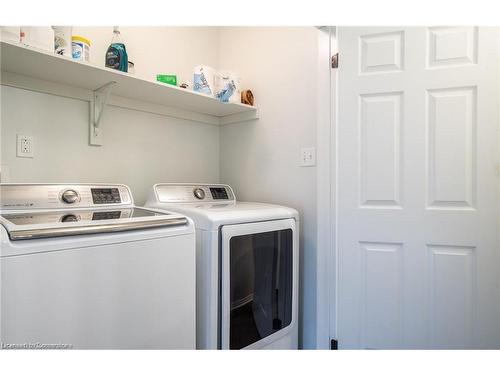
334,344
335,61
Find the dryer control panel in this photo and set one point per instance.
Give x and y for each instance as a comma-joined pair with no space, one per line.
48,196
193,193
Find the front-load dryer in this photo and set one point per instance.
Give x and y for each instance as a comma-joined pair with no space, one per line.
82,267
247,266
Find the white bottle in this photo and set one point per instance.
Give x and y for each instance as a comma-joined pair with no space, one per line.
41,37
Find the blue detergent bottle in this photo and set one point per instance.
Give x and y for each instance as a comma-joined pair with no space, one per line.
116,55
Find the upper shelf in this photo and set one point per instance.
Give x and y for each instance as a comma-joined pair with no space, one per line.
27,61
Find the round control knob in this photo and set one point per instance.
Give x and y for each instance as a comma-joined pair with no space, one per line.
199,193
70,196
69,218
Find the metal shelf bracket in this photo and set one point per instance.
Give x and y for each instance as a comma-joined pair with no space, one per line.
99,100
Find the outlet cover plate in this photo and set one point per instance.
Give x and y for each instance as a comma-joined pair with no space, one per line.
25,146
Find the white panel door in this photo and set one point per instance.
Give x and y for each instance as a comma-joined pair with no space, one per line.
417,194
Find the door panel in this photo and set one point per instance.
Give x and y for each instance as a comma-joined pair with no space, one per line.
451,46
382,52
452,289
380,150
417,194
382,286
451,167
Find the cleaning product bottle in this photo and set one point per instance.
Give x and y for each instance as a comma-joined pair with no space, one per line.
116,56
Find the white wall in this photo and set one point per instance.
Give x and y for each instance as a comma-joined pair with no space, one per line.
260,159
139,148
158,49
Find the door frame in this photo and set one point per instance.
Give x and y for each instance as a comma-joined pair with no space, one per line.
326,259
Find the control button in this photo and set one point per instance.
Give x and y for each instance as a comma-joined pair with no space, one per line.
70,196
199,193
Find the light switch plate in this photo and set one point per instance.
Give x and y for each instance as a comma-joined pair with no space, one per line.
25,146
308,157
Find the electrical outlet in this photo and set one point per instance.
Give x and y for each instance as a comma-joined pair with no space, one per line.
25,146
308,157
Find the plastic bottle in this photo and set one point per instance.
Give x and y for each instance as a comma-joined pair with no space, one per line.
63,40
116,56
41,37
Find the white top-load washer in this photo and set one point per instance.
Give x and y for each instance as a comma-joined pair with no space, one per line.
82,267
247,266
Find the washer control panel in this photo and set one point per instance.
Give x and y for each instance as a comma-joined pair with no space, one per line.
47,196
177,193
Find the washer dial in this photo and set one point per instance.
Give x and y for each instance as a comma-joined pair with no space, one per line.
70,196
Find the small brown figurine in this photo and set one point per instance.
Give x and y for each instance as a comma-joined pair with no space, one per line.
247,97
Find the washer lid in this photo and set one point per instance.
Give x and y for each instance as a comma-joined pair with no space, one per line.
22,225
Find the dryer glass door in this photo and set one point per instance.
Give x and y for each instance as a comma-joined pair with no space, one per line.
257,282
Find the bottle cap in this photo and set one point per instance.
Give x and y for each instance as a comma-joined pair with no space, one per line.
80,38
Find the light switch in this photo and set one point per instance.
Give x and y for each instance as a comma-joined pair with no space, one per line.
308,157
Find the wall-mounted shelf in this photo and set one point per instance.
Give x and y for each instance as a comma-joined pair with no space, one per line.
42,71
